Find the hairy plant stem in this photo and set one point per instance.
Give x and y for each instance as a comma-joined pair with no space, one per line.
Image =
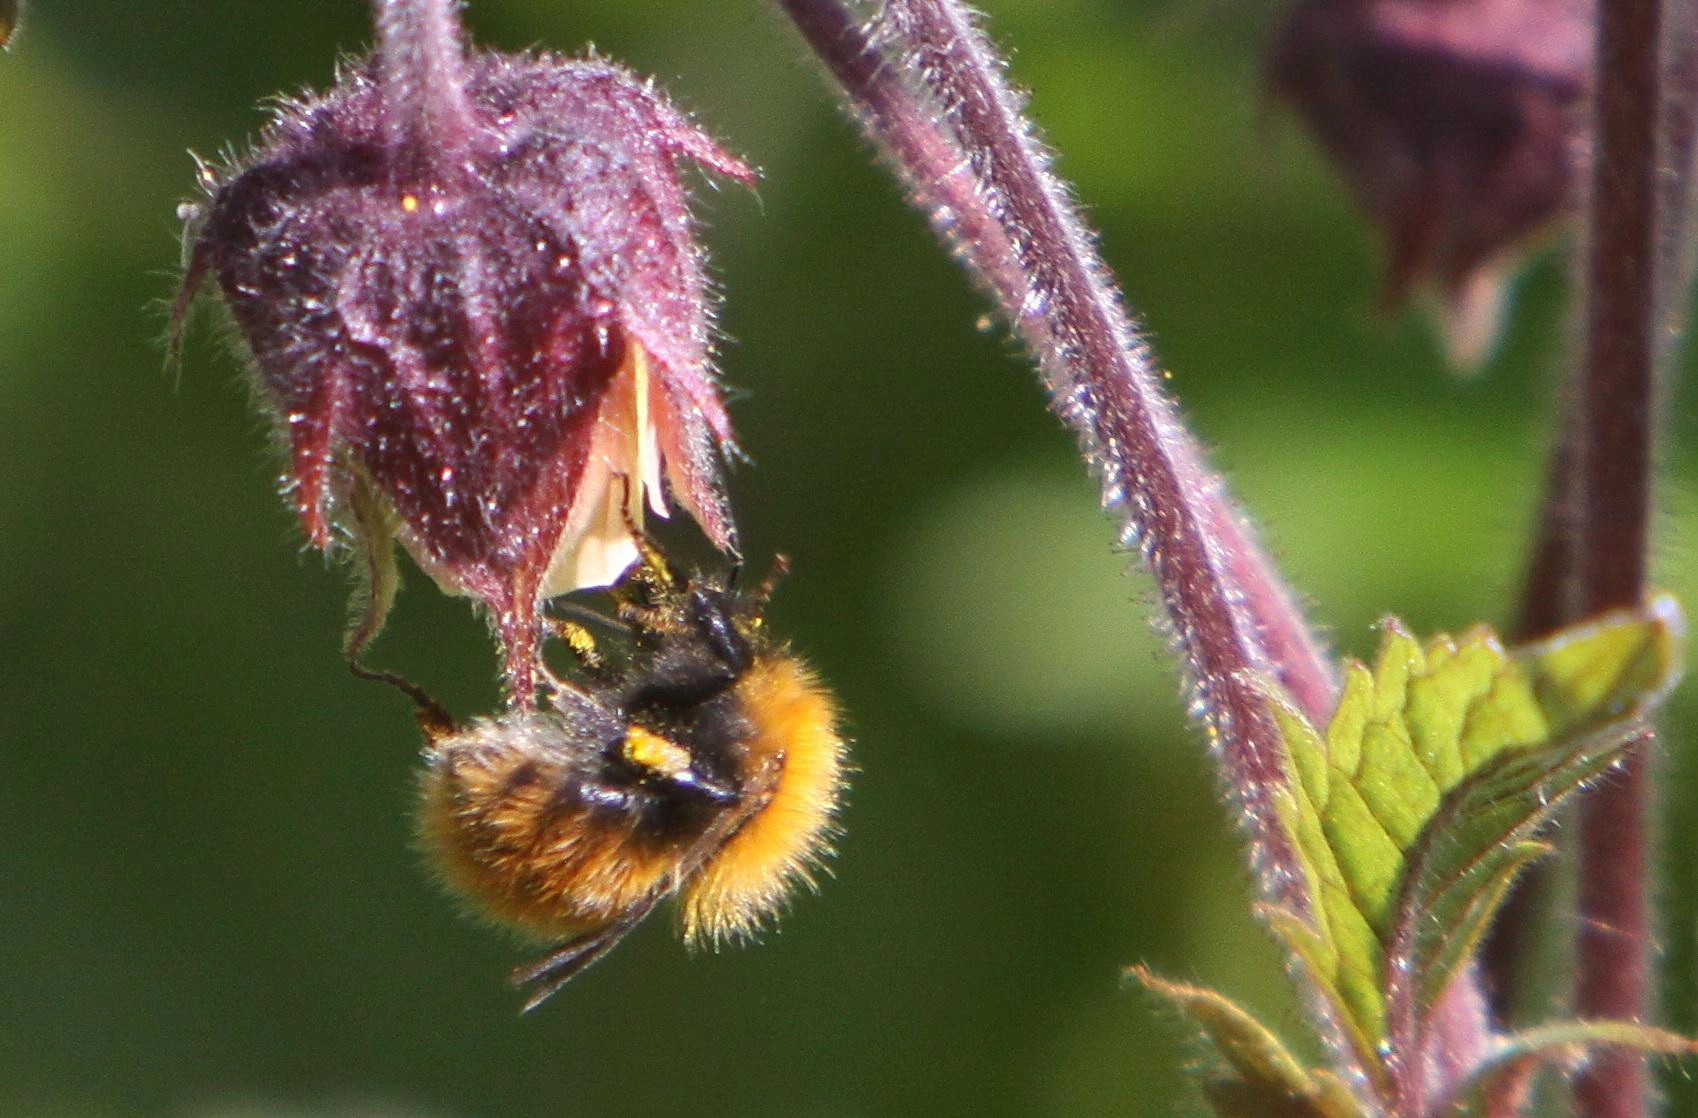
929,91
421,63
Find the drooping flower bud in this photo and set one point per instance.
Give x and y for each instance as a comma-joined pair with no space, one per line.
1458,124
475,303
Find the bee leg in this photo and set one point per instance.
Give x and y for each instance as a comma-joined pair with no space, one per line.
580,614
650,581
774,575
573,626
581,643
652,566
762,594
547,975
763,786
432,716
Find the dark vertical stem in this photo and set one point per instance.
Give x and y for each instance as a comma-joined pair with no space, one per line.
1617,393
422,67
1617,403
1553,595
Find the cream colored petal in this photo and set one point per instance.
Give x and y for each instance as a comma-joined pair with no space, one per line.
596,546
648,439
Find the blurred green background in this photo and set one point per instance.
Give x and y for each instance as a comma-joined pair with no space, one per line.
209,905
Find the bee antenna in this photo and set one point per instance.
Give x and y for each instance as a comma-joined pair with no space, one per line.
432,716
763,593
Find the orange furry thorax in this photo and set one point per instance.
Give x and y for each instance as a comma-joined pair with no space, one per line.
795,721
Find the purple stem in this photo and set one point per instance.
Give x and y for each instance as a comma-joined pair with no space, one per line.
1553,595
969,157
1617,400
422,66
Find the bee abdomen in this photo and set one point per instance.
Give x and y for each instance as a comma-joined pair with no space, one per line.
534,842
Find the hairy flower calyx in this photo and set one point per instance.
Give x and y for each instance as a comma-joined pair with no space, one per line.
475,303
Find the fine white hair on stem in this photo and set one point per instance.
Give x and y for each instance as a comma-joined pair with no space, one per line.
929,90
422,65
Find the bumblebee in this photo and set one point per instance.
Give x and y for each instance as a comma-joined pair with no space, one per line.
705,762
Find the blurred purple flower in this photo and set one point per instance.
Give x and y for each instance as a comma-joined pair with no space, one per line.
1458,124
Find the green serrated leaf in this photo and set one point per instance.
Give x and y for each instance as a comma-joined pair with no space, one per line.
1478,841
1565,1041
1254,1075
1449,938
1451,752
